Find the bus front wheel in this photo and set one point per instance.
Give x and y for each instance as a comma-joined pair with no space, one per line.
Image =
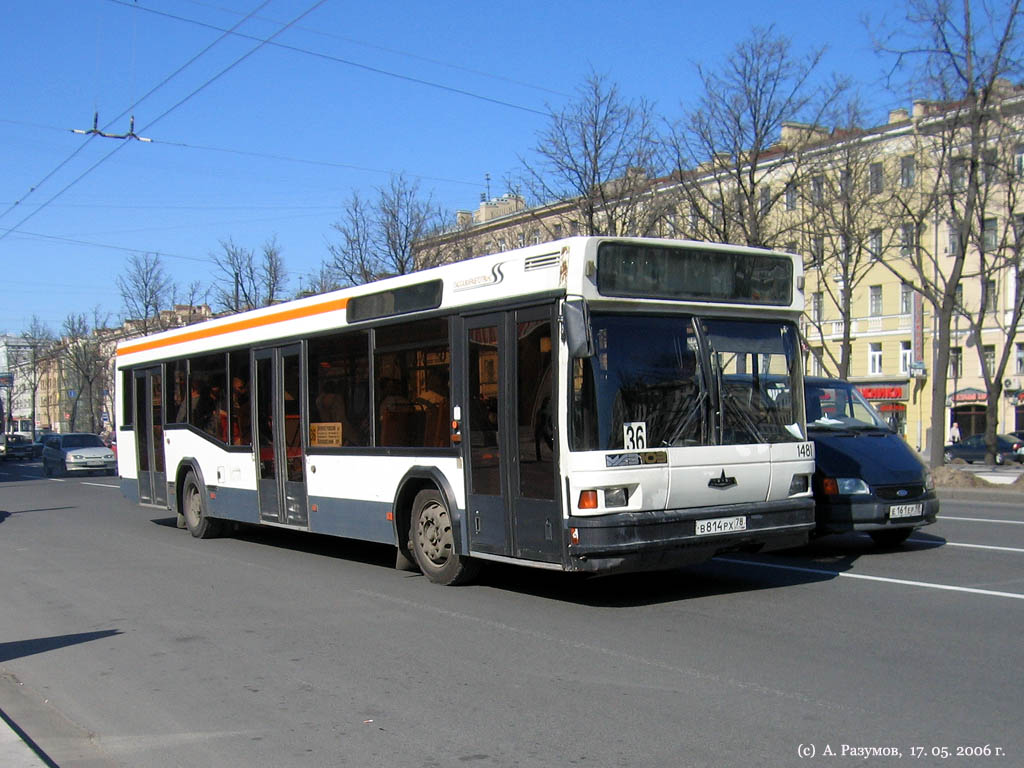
433,543
193,508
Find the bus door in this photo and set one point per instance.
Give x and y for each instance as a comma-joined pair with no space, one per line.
508,434
279,408
149,436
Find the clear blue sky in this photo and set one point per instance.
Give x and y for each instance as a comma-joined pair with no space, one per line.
359,100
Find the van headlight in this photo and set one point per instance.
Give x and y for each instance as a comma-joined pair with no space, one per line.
844,486
929,481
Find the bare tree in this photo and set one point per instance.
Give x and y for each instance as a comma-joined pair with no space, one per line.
32,354
324,280
385,237
734,160
601,153
146,290
964,61
842,218
354,258
247,282
87,360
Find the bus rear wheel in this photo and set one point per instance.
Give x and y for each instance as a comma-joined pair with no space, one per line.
433,543
193,508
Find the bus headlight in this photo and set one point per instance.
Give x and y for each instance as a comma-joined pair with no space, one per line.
616,497
799,484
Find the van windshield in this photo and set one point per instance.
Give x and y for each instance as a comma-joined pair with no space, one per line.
840,405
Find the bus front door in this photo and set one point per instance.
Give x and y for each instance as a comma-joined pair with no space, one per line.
277,435
508,435
149,439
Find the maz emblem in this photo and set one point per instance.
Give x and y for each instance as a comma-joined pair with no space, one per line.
722,482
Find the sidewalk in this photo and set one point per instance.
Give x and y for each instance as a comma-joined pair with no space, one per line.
15,751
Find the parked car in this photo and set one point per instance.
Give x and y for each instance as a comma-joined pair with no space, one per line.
37,443
866,477
77,452
16,446
972,449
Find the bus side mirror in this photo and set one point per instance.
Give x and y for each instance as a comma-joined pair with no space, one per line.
576,325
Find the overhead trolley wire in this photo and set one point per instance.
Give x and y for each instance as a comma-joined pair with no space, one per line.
407,54
202,87
101,132
350,63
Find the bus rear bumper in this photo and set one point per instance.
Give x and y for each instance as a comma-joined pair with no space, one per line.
647,541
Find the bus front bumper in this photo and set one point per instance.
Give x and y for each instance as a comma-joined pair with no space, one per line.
647,541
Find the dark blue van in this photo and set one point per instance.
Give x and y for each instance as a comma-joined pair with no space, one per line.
866,477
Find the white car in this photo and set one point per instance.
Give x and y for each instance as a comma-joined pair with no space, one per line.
77,452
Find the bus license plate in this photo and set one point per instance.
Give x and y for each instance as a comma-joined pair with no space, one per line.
905,510
721,525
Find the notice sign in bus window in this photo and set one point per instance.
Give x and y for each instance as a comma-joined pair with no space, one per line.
325,434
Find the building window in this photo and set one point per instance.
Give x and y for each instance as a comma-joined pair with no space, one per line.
908,239
1020,358
818,189
956,362
989,294
814,360
1018,161
791,247
875,357
907,171
875,178
817,252
990,235
817,303
766,199
790,197
875,244
989,166
875,301
989,355
958,173
952,239
906,299
906,357
844,182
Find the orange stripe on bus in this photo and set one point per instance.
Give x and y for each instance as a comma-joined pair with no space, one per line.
239,325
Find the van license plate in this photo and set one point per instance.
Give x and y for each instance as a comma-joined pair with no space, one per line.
905,510
721,525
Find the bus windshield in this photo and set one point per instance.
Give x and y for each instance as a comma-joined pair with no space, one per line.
686,381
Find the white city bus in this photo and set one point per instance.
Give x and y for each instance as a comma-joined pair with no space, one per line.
591,404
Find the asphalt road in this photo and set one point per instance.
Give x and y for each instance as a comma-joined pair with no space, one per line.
124,642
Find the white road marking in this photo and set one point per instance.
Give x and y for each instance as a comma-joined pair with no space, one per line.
905,582
102,485
980,520
971,546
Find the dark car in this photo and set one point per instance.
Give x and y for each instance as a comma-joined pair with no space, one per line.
973,448
37,445
866,477
77,452
17,447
